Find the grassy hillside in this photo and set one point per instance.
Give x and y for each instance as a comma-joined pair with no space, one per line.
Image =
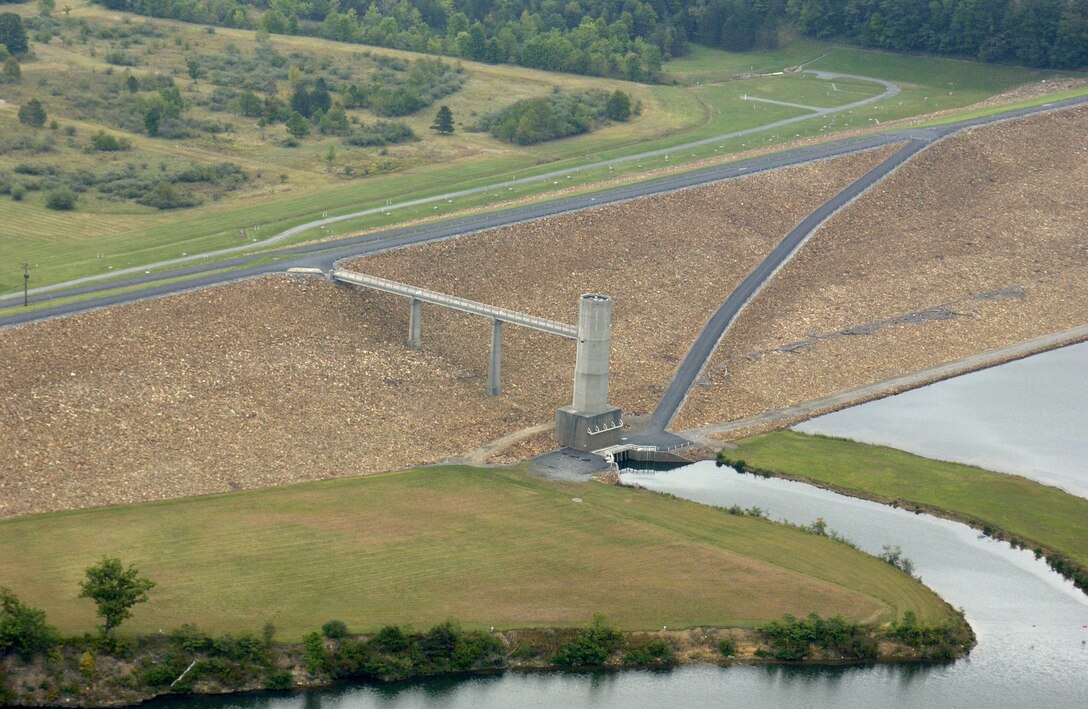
94,51
1020,506
483,546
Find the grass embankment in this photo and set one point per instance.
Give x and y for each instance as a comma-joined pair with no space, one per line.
291,185
488,547
1006,506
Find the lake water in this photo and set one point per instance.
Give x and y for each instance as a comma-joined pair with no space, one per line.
1028,417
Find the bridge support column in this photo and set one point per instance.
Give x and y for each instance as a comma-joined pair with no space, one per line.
414,317
494,363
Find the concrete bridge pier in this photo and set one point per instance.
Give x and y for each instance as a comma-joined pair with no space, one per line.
414,328
494,361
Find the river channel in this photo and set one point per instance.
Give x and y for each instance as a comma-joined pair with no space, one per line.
1032,625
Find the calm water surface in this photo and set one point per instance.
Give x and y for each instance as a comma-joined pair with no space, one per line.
1028,417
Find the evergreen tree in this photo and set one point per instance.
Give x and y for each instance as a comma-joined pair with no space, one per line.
32,114
298,126
12,34
443,120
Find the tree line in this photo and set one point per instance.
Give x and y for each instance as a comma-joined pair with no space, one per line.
622,38
1039,33
631,38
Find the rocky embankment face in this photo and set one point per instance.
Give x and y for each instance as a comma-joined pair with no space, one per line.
976,243
284,379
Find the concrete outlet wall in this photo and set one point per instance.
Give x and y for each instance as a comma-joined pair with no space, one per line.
588,432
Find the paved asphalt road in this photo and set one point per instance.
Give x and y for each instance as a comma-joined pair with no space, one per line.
181,262
699,353
324,255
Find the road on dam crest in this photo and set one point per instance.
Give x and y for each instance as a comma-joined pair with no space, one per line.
325,255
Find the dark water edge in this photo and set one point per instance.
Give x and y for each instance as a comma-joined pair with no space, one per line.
684,685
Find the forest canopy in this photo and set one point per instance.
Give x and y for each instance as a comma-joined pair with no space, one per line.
631,38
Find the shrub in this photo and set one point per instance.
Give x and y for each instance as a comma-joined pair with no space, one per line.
655,652
591,646
23,629
86,664
61,199
476,650
165,196
536,120
334,629
278,680
105,142
163,672
381,133
390,639
18,192
727,647
119,58
793,638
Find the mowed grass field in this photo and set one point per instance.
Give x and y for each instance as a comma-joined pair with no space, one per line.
297,185
1023,507
482,546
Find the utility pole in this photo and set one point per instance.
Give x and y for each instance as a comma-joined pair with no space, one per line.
26,281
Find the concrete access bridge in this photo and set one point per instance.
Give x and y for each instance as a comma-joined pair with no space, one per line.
589,423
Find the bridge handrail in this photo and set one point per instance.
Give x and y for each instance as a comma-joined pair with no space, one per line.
451,301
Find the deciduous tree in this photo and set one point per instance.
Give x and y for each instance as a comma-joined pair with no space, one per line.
115,590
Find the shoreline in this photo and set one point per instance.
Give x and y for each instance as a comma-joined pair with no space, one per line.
1058,561
289,668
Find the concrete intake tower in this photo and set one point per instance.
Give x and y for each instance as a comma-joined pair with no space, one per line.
589,423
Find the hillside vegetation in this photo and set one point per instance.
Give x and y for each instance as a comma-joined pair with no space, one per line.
631,38
165,138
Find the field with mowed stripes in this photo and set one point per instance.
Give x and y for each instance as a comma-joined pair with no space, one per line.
481,546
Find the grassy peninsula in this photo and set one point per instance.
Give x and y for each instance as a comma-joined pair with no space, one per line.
488,547
1026,513
503,568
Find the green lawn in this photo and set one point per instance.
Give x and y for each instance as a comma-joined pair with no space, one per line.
1024,508
483,546
705,64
